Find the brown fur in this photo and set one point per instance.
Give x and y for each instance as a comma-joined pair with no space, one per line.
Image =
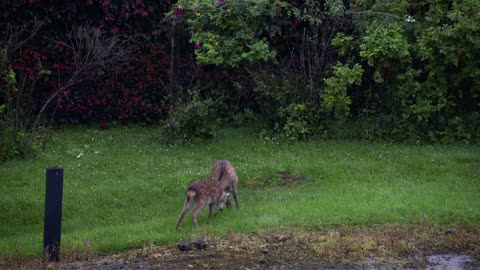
224,172
202,193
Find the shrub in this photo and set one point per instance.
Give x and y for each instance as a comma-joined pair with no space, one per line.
420,79
244,118
335,95
192,121
285,107
295,122
16,139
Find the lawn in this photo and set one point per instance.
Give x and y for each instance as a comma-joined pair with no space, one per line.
123,188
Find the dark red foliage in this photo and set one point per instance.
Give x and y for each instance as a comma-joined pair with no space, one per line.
135,91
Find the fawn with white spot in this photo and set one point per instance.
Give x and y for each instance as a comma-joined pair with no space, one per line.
202,193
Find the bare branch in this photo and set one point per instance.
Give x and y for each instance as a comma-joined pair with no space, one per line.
13,36
91,51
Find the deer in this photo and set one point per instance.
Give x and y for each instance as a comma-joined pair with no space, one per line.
202,193
224,172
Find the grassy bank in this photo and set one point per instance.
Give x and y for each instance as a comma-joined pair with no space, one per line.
123,188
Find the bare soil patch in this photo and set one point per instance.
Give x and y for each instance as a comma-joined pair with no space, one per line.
289,178
381,247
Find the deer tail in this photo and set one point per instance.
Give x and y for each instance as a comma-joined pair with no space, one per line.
222,170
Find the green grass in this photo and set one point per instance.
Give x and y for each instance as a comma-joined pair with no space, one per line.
123,188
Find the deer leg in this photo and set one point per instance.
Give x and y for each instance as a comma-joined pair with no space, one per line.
228,201
235,197
186,206
195,213
233,188
210,211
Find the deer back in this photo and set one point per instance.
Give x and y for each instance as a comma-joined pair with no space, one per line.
205,190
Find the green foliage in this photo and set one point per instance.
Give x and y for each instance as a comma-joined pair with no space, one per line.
296,122
192,121
406,70
274,92
450,45
285,107
309,12
446,91
229,32
420,100
343,43
244,118
461,129
10,82
335,8
421,72
335,96
383,43
450,34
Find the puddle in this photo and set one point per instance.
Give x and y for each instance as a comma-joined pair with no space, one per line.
452,262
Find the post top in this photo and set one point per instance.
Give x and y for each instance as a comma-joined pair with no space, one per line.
54,168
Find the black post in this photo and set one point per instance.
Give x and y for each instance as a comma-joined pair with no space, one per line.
53,213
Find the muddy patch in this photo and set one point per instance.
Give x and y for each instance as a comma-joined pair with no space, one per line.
452,261
379,247
290,178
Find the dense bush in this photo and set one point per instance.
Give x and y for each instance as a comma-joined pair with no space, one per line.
421,68
192,121
140,89
397,73
396,70
48,73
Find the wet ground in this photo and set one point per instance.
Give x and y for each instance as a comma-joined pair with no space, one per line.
452,261
351,248
389,247
210,261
